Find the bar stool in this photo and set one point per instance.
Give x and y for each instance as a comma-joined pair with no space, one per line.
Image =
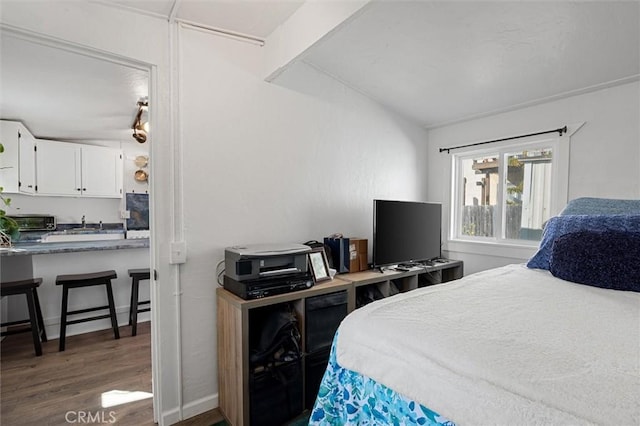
86,280
29,288
136,276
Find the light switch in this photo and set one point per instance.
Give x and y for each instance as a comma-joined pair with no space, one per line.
178,252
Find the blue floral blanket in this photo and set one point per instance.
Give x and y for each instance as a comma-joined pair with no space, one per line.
348,398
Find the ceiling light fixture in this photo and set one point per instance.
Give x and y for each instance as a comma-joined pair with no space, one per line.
140,128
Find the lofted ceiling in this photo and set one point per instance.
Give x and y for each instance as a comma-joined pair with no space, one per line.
439,62
435,62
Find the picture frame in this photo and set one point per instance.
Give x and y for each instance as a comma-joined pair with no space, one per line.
319,265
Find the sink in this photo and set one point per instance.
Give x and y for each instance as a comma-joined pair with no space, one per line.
82,235
81,230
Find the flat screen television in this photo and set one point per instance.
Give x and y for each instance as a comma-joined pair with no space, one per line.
405,232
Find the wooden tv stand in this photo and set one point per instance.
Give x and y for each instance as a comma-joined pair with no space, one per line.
233,315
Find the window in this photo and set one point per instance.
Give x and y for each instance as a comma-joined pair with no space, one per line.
506,194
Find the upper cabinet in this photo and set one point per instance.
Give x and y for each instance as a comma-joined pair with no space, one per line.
101,171
43,167
58,168
70,169
17,162
27,164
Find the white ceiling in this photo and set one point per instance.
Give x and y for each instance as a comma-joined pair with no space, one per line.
256,18
433,61
440,62
60,94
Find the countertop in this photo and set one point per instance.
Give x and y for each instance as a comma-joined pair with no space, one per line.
31,248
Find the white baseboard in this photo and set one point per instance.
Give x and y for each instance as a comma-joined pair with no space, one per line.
169,417
200,406
189,410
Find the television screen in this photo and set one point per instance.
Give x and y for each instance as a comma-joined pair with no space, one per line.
405,232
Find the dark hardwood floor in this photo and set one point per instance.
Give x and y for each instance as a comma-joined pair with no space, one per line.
62,388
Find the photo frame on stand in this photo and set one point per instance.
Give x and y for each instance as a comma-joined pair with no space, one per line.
319,265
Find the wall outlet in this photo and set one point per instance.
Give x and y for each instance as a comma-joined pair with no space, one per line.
125,214
177,252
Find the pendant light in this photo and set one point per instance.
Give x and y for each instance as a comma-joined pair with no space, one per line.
140,128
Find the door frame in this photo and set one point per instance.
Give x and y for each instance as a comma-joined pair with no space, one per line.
152,71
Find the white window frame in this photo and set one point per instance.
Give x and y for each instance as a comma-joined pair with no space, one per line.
559,187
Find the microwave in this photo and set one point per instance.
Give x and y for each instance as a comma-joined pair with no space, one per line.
35,222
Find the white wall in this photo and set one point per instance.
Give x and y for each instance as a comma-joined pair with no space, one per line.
68,209
604,158
262,163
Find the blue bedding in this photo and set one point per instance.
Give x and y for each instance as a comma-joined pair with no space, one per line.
586,214
605,259
589,205
561,225
348,398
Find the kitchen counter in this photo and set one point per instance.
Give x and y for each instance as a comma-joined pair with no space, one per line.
32,248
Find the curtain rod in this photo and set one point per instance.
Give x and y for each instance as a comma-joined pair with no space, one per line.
560,132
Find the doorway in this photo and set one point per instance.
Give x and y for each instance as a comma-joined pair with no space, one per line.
62,91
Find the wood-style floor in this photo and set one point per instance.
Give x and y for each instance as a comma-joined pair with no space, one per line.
62,388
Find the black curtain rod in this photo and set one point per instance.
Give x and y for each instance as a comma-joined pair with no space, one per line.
560,132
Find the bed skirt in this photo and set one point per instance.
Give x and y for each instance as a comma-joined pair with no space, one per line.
348,398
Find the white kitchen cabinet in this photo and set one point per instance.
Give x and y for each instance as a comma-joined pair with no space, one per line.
71,169
101,172
58,168
17,162
9,158
27,164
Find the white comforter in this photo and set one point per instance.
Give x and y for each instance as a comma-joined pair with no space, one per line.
509,346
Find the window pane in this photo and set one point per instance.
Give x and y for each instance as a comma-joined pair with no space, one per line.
528,193
479,195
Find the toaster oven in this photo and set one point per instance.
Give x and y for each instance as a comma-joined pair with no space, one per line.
35,222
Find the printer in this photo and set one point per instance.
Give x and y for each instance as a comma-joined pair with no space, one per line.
259,270
255,261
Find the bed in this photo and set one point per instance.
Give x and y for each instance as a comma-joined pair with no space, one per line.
553,341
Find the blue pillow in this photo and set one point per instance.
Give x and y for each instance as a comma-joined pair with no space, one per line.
609,259
560,225
590,205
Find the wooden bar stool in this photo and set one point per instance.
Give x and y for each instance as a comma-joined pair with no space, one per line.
86,280
29,288
136,276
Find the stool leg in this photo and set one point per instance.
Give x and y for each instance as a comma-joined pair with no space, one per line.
133,283
63,317
112,310
43,332
35,330
134,306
